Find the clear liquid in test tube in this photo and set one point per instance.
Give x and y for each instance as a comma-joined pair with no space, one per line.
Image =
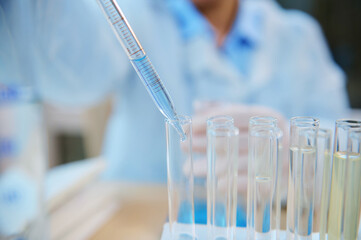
222,172
302,177
180,181
323,182
264,179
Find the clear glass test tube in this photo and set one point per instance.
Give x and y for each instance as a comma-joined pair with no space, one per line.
323,182
301,182
345,197
180,180
222,178
264,178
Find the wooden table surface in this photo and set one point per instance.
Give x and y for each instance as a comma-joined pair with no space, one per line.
141,216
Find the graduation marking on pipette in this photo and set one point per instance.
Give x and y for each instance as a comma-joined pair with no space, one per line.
140,62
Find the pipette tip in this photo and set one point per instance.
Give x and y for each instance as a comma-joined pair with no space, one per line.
180,131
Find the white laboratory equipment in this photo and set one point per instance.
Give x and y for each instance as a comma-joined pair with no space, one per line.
22,166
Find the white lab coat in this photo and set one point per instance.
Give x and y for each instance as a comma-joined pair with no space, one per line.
77,60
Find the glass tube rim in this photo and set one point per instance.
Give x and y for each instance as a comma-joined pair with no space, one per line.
263,121
223,132
182,119
304,122
213,122
348,123
266,131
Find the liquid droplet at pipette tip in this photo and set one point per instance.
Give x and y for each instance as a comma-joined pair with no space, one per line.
180,131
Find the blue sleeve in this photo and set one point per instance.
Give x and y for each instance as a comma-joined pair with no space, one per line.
79,59
64,48
10,65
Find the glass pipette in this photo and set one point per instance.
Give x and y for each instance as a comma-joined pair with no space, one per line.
140,61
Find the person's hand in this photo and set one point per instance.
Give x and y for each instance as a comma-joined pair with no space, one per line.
241,115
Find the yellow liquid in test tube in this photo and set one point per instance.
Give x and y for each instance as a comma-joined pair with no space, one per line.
345,197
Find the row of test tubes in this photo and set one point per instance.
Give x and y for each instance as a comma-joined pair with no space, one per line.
324,189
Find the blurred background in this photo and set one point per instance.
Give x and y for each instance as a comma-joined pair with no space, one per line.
340,23
77,133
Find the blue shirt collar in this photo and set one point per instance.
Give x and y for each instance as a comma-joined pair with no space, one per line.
247,28
189,19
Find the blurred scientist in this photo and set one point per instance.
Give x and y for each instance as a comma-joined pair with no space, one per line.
252,55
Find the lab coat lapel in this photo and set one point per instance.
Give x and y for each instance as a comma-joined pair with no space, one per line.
213,76
263,15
